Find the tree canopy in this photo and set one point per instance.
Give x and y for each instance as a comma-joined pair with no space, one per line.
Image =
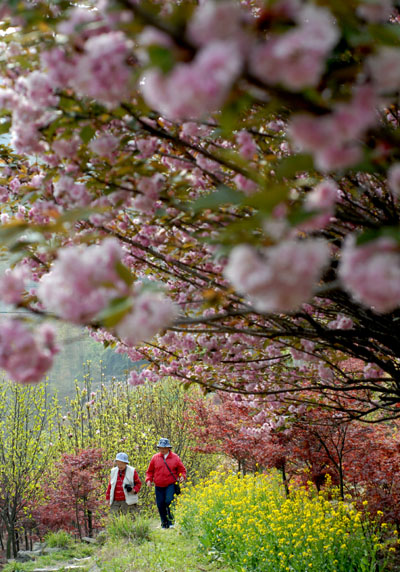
223,175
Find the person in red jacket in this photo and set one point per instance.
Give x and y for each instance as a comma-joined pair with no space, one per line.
164,470
124,485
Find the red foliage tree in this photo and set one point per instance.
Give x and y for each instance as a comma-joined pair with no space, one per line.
73,492
374,472
307,445
228,424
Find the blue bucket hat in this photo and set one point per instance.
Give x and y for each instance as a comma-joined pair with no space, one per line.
122,457
164,443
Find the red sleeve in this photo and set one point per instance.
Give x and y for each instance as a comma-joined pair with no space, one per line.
108,491
137,482
150,471
181,469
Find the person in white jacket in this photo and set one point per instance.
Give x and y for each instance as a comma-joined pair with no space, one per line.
124,485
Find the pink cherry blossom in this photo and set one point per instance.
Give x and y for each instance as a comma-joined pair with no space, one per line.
384,67
371,273
104,144
146,147
337,157
102,72
150,36
40,89
15,185
333,138
214,21
341,323
323,197
8,98
25,134
4,194
66,148
247,147
325,373
12,284
58,67
82,281
66,191
375,10
194,90
150,188
280,278
26,356
190,130
394,179
245,184
151,312
371,371
296,58
311,133
78,18
137,378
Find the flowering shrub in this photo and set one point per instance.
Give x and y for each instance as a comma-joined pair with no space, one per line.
254,527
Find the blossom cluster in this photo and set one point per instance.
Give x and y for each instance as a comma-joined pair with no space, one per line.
26,355
82,282
283,278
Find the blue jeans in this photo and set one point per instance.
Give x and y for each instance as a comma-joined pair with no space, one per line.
164,497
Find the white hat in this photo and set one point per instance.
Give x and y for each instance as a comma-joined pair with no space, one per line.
122,457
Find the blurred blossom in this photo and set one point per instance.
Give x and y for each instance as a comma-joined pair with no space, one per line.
371,272
279,278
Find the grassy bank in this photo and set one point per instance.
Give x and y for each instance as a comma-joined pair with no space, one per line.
167,550
143,548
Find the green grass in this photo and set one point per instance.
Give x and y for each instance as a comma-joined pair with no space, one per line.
122,526
166,551
137,547
60,539
77,551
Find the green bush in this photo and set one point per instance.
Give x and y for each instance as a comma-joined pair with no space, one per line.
123,526
59,539
141,529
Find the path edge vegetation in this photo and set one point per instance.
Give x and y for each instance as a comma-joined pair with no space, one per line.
121,548
233,523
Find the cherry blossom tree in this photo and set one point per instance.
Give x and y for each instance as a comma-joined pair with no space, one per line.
223,173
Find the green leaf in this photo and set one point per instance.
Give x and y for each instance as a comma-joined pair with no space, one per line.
161,57
5,127
27,240
223,195
114,312
266,200
232,112
87,133
11,232
375,233
290,166
299,216
124,273
73,215
387,34
246,230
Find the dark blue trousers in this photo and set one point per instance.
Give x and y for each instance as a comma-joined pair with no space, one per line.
164,497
